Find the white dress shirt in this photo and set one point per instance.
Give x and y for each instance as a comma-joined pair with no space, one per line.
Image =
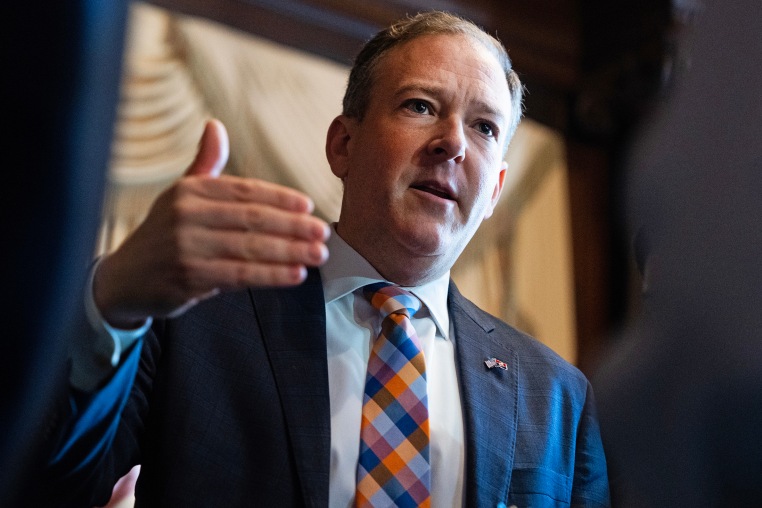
352,323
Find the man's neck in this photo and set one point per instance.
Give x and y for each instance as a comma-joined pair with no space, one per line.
414,271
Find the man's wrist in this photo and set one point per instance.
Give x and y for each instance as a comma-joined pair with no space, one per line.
121,337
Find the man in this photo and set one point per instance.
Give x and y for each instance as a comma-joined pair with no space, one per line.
257,397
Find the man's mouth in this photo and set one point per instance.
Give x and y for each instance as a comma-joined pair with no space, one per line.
436,189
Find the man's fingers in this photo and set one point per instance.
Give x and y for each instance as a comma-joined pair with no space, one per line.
241,274
255,218
231,274
253,247
250,190
213,151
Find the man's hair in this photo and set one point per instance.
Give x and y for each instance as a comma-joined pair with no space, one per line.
362,75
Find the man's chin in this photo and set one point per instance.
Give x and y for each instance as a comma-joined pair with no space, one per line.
428,241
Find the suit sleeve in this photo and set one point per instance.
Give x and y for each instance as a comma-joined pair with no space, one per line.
590,487
81,469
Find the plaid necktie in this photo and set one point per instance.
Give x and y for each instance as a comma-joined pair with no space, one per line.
394,468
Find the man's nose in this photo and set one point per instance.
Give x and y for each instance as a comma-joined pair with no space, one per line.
448,141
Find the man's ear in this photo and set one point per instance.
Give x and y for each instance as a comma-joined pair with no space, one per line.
497,190
337,144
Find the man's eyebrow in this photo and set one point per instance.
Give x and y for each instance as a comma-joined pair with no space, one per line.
417,88
491,111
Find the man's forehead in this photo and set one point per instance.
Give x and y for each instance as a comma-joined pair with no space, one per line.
429,44
427,65
452,52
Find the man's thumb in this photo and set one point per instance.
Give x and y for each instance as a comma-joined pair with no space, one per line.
213,151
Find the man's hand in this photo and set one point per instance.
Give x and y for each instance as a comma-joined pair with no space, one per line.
205,234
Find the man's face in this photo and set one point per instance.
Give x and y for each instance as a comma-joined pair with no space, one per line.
424,167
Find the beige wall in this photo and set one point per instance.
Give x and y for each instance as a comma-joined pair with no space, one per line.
542,268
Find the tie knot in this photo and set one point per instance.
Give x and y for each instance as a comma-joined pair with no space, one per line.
389,299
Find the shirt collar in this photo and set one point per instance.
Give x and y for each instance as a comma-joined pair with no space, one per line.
346,270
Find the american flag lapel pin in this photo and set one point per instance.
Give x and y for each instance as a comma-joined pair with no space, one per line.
494,362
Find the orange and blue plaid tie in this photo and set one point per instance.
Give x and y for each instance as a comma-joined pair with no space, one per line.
394,467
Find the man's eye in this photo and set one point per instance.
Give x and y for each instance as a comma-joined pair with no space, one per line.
417,106
486,129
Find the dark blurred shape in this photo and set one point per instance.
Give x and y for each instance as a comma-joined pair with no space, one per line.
61,66
680,396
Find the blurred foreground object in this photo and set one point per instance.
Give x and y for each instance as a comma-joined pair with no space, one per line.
61,68
681,394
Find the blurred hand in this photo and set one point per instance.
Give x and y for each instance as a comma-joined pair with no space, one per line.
209,233
123,495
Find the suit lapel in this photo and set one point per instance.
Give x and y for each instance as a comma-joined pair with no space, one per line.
293,329
490,403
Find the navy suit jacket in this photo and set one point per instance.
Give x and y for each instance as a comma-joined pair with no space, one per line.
230,407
